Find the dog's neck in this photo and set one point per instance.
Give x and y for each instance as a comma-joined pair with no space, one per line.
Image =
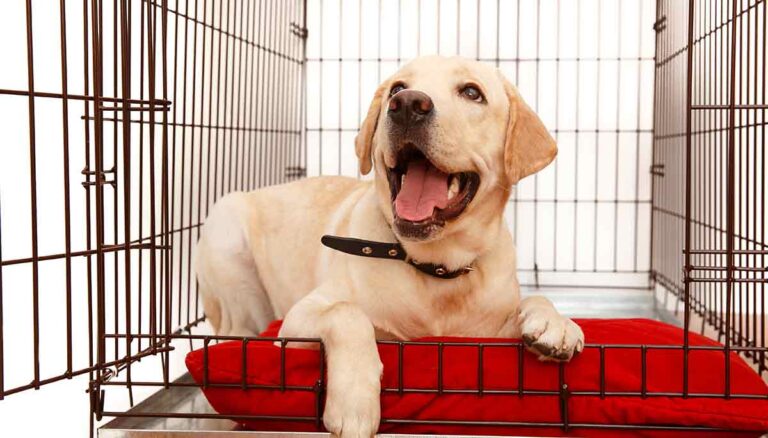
456,251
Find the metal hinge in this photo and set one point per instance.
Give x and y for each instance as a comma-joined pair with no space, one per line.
299,31
660,24
295,172
100,178
97,396
657,169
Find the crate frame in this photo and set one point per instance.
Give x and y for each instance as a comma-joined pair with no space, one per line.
708,269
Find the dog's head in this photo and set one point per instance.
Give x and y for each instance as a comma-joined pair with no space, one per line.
448,137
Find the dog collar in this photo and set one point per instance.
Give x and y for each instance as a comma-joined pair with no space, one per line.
385,250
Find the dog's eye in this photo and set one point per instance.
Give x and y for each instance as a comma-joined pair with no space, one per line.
396,89
472,93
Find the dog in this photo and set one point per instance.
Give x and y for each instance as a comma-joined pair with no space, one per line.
447,140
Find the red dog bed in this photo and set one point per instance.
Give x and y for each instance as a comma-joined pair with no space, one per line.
623,373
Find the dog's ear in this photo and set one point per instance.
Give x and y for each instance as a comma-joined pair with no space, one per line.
528,147
364,139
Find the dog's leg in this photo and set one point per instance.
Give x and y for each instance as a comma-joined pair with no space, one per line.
234,299
546,332
354,369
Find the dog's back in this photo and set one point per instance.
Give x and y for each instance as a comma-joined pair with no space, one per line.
249,251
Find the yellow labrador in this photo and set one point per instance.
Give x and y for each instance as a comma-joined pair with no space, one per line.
447,139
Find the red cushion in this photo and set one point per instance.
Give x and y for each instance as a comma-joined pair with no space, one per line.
623,372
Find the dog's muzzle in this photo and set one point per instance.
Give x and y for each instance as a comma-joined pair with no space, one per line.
410,108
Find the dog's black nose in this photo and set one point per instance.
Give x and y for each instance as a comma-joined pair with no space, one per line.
410,107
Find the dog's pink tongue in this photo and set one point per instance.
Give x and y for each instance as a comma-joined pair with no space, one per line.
424,188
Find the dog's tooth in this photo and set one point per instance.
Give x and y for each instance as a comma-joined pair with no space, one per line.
453,187
402,180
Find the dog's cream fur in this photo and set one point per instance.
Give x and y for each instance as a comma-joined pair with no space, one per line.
259,256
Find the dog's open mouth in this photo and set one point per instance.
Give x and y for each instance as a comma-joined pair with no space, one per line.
423,195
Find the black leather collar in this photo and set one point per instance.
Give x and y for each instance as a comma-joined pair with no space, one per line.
385,250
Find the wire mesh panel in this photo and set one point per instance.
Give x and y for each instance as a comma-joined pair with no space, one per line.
47,246
709,167
136,120
585,66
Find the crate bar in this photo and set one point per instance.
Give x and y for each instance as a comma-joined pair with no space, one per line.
520,372
218,103
191,189
80,97
192,134
96,27
480,369
730,107
643,370
174,124
555,132
142,39
250,58
88,242
33,196
85,253
242,108
496,59
206,341
654,152
320,389
229,87
514,345
263,88
282,365
244,363
577,124
735,268
238,385
618,142
271,96
184,127
189,415
164,200
730,197
235,145
113,169
467,391
546,424
726,252
564,394
602,371
636,215
763,366
210,106
125,79
440,349
400,351
688,191
67,215
152,89
304,107
275,78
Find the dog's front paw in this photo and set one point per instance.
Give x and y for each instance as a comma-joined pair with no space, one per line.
550,335
352,407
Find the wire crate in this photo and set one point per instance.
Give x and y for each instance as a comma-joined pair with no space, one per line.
127,119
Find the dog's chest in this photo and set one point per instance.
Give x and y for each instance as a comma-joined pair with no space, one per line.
446,313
